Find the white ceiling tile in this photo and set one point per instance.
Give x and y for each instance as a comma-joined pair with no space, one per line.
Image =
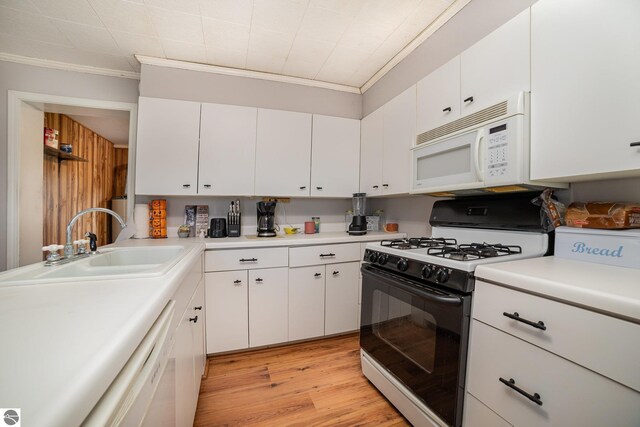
88,37
324,24
311,50
379,12
225,35
30,26
299,68
427,11
69,10
394,44
342,63
131,44
177,26
228,58
236,11
267,42
344,7
266,62
365,35
185,6
282,16
121,15
23,5
184,51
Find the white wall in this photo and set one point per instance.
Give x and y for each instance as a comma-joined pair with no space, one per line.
173,83
28,78
31,184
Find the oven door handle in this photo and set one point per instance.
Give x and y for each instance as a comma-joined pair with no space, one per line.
420,291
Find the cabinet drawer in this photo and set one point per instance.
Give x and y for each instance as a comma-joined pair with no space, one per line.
601,343
245,259
477,414
570,394
324,254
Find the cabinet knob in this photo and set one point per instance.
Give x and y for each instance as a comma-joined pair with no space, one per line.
193,319
237,282
635,144
318,188
317,275
469,99
303,187
186,185
198,307
376,187
385,185
447,110
259,280
207,186
335,273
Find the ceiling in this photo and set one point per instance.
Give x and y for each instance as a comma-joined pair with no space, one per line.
110,124
343,42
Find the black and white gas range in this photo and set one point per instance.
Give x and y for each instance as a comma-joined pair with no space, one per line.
416,301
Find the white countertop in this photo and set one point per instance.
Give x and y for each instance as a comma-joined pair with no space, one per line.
295,239
603,288
64,343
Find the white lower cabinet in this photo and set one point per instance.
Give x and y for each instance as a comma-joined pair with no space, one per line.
306,302
268,306
341,298
227,311
477,414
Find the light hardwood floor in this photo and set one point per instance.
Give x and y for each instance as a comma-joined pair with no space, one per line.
316,383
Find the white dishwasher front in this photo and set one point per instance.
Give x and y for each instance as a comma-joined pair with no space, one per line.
143,393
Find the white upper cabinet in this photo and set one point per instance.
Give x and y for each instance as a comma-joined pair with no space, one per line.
371,142
227,150
283,153
399,134
438,97
387,136
497,66
167,147
335,156
585,94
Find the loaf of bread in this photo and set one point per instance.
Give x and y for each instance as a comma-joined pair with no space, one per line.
608,215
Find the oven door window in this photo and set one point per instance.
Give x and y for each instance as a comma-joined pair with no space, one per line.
409,330
418,334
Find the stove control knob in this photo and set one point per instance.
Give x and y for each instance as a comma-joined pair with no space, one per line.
373,256
442,275
382,259
403,264
427,271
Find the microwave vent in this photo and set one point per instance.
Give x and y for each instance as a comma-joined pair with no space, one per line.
471,120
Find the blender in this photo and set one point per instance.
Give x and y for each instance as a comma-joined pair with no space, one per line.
358,224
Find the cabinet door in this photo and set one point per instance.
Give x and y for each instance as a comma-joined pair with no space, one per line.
341,299
227,150
585,86
399,134
227,302
283,153
371,141
167,147
199,351
306,302
438,97
335,154
185,380
496,67
268,306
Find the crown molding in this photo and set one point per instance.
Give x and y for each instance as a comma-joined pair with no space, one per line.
193,66
47,63
435,25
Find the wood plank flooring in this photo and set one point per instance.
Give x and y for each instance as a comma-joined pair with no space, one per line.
316,383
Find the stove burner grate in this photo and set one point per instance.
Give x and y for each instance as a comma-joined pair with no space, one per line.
473,251
418,242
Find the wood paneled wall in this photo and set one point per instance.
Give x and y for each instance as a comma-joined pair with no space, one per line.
121,163
71,186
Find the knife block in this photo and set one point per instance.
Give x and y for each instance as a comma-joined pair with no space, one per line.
234,223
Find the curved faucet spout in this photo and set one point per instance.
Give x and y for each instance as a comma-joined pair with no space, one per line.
68,247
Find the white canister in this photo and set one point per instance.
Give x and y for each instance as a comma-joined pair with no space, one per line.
611,247
141,220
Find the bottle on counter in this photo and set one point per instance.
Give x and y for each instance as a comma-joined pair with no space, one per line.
316,221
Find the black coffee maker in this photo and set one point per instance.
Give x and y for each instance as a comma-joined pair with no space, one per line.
266,219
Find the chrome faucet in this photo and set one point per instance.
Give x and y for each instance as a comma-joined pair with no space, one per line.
68,247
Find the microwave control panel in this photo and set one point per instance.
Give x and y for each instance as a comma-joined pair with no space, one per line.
498,154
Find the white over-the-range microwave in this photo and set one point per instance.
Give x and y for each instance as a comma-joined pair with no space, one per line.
484,152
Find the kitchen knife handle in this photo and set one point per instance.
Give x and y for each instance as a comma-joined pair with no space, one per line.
515,316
